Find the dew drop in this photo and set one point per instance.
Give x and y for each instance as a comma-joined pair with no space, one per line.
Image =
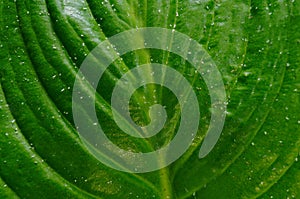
246,73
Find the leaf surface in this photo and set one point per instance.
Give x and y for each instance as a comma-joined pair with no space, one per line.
254,44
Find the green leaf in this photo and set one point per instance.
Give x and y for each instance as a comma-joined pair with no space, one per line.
255,46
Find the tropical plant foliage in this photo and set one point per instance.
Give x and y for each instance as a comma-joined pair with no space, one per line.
255,45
